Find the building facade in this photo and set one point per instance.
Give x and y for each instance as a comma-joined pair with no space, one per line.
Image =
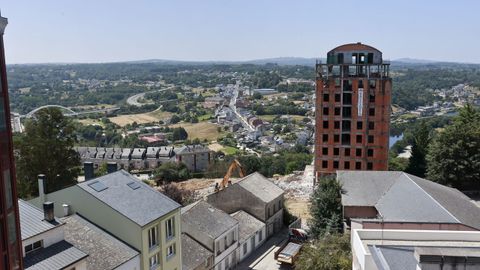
128,209
10,242
353,96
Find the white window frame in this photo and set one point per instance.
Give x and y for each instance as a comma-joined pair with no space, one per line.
35,246
153,237
170,228
171,251
154,261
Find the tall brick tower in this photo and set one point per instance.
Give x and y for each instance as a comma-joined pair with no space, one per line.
10,241
353,95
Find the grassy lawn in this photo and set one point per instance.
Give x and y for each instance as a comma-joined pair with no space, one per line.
228,150
89,121
269,117
202,130
205,117
140,118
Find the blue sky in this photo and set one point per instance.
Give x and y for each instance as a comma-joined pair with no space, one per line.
119,30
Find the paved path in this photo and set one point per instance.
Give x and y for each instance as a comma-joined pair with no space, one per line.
263,257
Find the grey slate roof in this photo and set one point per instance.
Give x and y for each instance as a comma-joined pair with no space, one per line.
165,151
138,153
247,225
402,197
57,256
105,251
143,205
126,153
260,187
193,253
152,152
207,219
109,152
190,149
100,153
32,220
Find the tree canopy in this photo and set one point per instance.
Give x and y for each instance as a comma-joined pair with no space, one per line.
171,172
46,148
331,252
326,208
454,154
421,139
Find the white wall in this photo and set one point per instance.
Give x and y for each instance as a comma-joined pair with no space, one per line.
248,241
49,238
219,260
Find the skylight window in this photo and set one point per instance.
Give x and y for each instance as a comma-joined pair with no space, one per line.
134,185
97,186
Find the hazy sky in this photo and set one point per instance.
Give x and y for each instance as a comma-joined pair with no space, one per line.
118,30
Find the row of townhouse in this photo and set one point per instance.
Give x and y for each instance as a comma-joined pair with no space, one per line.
402,222
230,224
196,157
111,222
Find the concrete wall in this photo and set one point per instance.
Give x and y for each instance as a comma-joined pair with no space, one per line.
235,198
230,253
195,161
173,262
275,223
248,242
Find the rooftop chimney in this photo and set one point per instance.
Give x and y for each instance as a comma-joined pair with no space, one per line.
88,170
41,187
111,167
48,211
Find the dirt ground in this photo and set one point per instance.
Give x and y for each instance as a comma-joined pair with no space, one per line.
202,130
140,118
297,191
215,147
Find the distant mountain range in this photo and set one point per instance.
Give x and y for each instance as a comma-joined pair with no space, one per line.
282,61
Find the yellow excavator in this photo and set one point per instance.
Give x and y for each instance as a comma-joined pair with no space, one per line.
226,179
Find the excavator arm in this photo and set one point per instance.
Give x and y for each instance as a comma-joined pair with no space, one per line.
234,165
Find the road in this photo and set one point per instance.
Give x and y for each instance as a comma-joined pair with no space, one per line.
263,257
232,106
133,100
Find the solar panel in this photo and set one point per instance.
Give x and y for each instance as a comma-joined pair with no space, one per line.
134,185
97,186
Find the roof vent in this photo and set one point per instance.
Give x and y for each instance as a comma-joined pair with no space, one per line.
359,43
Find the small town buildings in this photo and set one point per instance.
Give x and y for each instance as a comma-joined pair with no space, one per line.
215,230
257,196
398,200
378,249
251,233
128,209
152,157
197,157
137,160
194,255
213,102
43,243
